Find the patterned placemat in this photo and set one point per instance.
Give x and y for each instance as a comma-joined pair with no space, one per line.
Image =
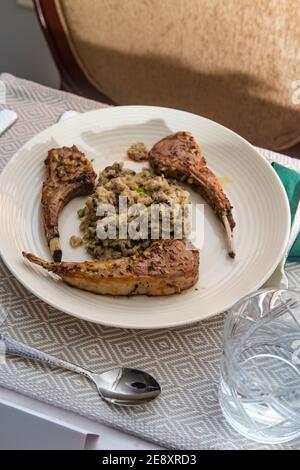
185,360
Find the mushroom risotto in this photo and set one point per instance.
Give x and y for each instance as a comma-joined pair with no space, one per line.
136,189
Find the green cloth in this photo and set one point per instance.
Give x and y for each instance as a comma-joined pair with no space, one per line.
291,181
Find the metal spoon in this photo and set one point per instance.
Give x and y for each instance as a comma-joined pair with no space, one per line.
120,386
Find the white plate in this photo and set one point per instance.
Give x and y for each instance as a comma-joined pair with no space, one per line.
260,205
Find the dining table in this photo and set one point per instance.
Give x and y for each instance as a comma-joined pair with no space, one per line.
39,401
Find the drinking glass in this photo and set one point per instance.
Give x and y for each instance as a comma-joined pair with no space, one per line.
260,372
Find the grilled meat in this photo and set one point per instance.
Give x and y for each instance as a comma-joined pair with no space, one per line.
167,267
179,156
70,174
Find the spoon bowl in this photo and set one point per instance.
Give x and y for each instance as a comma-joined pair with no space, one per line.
124,386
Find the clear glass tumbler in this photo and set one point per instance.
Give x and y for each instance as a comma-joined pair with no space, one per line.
260,373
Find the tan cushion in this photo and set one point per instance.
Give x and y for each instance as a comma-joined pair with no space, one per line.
233,61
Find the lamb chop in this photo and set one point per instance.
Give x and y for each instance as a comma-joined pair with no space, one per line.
179,156
166,267
70,174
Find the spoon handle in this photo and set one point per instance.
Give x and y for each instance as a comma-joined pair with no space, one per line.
19,349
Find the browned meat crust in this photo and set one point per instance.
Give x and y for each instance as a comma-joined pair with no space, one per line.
167,267
179,156
69,174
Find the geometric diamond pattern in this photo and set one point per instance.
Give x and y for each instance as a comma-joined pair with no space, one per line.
185,360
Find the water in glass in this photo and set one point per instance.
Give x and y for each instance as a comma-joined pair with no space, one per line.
260,373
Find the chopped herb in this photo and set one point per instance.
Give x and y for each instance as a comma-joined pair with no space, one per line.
80,213
140,190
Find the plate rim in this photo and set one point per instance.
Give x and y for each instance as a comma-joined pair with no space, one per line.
176,323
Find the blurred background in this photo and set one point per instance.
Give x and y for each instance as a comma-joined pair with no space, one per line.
23,49
235,62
